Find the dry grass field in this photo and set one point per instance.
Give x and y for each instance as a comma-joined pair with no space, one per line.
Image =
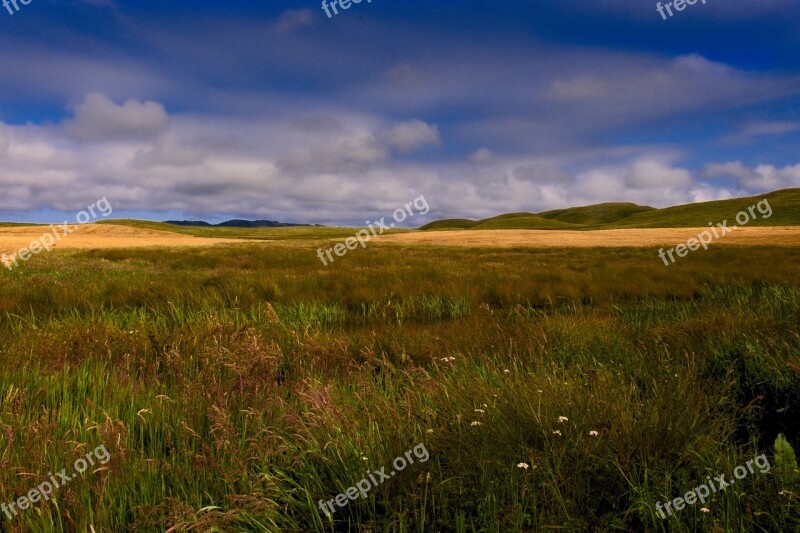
780,235
96,236
111,236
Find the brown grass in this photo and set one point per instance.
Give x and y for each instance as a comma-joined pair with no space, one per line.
778,235
95,236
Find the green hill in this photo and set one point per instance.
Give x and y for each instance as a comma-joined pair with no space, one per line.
451,223
596,214
506,221
523,222
785,206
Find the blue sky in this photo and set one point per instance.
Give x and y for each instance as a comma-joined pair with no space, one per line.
215,110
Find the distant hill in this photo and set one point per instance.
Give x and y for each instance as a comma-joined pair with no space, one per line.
521,221
785,206
262,233
596,214
236,224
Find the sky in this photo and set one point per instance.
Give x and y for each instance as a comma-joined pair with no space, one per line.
212,110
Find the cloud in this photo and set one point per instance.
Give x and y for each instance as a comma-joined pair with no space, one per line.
292,19
170,153
202,167
755,129
542,172
761,178
648,174
408,136
269,120
100,119
481,156
580,88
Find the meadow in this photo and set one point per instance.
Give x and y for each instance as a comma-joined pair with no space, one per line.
235,386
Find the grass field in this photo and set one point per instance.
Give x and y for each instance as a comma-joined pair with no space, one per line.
236,386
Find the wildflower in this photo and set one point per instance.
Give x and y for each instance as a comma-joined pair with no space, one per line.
365,458
593,433
705,510
481,411
507,371
476,423
563,419
524,466
448,359
557,432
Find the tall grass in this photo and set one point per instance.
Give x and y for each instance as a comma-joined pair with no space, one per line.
235,387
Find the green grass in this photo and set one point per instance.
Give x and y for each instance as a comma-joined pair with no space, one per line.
596,214
523,222
236,386
450,223
16,224
785,206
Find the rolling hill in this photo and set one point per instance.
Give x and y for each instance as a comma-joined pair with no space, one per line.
785,206
596,214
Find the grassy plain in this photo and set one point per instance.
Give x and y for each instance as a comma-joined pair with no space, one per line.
235,386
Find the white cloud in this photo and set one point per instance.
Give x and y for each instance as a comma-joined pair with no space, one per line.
761,178
649,174
97,118
331,167
408,136
481,156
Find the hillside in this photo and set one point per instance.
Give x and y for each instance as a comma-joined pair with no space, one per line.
785,206
506,221
596,214
528,221
235,224
263,233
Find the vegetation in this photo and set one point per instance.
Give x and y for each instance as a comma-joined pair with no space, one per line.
294,233
785,205
236,386
596,214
